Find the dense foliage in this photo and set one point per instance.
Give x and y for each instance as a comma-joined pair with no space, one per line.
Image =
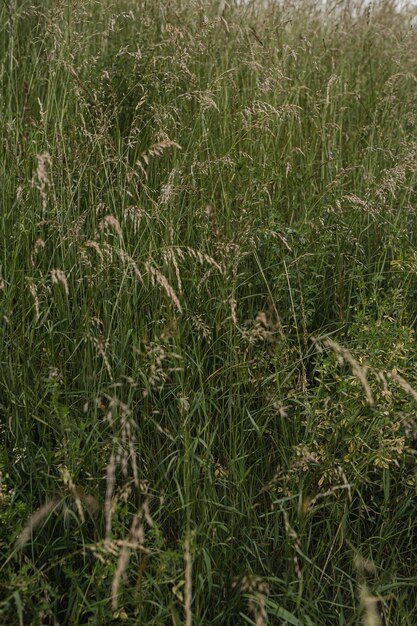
208,280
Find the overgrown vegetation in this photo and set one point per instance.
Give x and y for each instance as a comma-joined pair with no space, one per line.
208,279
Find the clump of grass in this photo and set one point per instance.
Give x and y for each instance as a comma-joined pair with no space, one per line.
207,313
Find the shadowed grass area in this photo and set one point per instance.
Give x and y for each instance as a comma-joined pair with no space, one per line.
208,280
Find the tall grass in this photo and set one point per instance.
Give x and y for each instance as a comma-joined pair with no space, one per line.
208,310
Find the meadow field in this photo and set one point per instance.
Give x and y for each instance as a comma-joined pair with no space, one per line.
208,313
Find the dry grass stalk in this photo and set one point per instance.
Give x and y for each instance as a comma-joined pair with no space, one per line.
403,383
134,541
67,479
123,456
126,446
309,504
188,589
35,520
108,503
385,389
295,540
357,369
122,564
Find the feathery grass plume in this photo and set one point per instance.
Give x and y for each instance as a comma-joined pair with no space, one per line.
128,439
197,255
257,590
59,278
134,215
105,253
128,261
34,293
39,245
40,179
67,480
168,189
156,150
201,326
262,329
170,257
175,253
160,279
332,80
110,222
123,456
211,214
233,310
369,604
100,345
